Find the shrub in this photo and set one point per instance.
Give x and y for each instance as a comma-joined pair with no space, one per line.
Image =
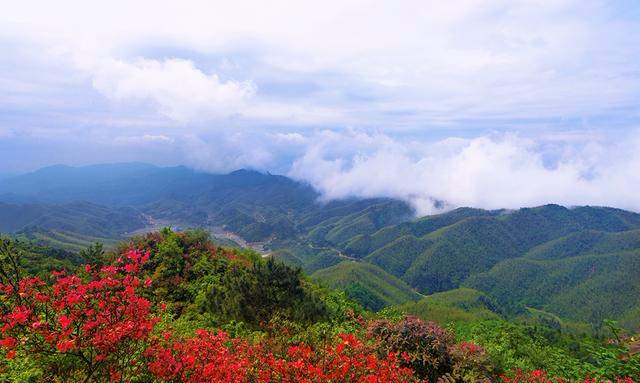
94,326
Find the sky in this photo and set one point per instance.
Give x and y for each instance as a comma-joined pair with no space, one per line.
491,104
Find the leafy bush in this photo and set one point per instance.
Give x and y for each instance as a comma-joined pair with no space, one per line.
431,351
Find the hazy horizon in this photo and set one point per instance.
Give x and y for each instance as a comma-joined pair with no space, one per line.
495,104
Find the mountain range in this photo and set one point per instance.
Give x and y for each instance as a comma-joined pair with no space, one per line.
580,263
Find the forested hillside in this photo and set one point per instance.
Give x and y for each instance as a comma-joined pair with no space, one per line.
174,307
570,262
578,264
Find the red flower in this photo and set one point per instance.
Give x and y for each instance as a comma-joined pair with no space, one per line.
65,345
103,318
8,342
64,321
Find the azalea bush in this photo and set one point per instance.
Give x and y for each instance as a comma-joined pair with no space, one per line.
94,324
214,357
97,326
431,350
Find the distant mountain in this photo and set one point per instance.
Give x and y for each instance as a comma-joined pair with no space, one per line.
256,206
70,226
77,217
107,184
580,263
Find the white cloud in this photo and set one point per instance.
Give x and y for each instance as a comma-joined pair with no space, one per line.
503,171
146,139
180,90
442,61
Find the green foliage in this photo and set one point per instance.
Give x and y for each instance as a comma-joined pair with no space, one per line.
258,294
587,288
93,254
461,304
538,347
367,284
397,256
35,259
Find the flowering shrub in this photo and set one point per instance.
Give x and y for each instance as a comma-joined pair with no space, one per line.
208,357
96,326
470,363
213,357
97,323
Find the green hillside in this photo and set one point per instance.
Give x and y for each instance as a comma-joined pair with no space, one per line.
542,257
38,259
587,288
77,217
459,305
368,284
73,242
579,263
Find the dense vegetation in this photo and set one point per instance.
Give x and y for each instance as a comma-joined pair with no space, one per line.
174,307
534,287
366,283
554,256
71,225
580,264
576,263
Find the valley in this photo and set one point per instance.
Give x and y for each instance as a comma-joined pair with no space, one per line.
577,263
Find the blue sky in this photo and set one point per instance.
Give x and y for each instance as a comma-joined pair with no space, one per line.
492,103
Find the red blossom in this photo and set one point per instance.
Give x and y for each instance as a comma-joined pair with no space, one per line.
8,342
65,345
64,321
103,317
213,357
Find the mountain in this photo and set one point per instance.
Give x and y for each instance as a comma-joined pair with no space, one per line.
106,184
462,304
254,205
588,287
580,263
71,226
366,283
77,217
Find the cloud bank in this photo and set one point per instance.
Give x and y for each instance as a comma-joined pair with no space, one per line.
499,171
494,171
